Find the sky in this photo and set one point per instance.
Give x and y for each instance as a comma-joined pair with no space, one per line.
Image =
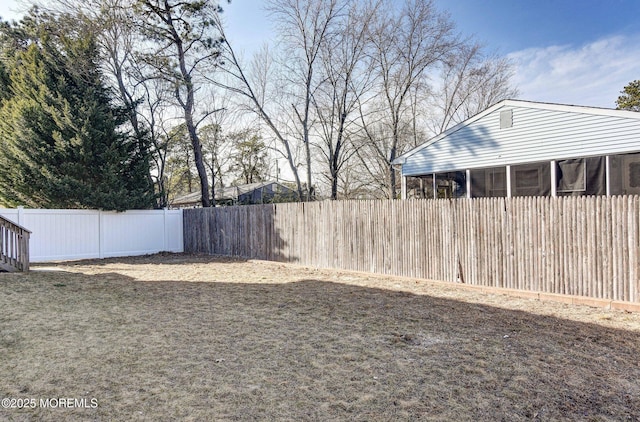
579,52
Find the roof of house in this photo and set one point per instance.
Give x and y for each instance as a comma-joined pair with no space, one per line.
227,192
540,131
233,192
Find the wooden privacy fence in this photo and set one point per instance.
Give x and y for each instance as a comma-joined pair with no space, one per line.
586,246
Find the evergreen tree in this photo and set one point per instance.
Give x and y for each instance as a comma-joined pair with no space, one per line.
61,143
630,98
250,158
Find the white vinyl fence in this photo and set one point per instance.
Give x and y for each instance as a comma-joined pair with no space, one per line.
79,234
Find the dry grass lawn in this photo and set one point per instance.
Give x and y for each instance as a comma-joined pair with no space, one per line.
177,337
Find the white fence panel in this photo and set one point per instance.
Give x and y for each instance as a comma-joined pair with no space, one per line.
80,234
173,235
61,234
141,232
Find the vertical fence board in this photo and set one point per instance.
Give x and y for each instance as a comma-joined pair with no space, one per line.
632,233
615,237
597,243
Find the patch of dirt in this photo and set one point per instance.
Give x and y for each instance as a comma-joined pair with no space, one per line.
179,337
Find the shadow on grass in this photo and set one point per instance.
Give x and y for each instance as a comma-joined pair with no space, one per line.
162,258
307,350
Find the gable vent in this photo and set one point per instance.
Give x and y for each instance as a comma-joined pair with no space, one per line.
506,119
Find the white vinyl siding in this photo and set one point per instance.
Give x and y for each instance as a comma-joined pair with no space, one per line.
537,134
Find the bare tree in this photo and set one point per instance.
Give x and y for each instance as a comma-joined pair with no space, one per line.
213,142
253,88
346,79
405,46
144,98
305,27
184,39
372,145
153,114
347,88
469,83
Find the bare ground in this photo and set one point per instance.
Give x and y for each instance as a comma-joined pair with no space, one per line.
178,337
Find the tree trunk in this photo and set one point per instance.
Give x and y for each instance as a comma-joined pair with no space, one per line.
392,156
188,107
392,182
334,185
213,183
308,152
197,156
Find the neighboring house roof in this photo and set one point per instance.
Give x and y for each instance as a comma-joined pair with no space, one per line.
538,132
234,192
192,198
230,193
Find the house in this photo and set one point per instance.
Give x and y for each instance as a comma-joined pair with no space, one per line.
524,148
252,193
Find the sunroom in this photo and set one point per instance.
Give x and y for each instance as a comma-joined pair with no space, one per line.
523,148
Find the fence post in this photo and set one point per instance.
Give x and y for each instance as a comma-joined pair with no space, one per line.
20,215
164,230
554,179
101,227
